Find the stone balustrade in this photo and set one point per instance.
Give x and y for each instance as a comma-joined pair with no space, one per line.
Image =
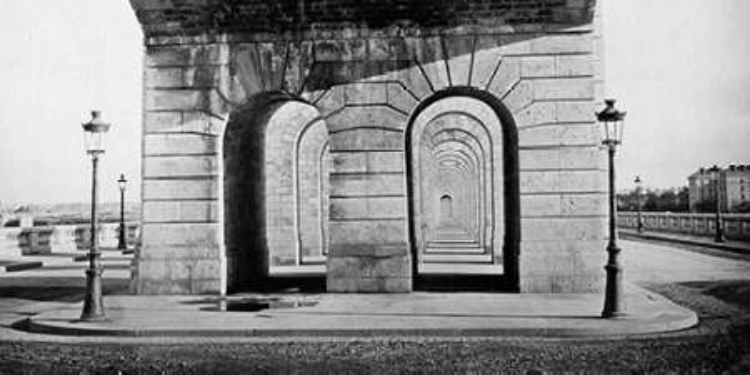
736,226
16,241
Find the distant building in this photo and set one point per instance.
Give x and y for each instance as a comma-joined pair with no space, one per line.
702,185
732,185
735,186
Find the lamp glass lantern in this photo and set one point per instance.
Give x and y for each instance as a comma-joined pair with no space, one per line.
122,182
93,132
613,121
638,190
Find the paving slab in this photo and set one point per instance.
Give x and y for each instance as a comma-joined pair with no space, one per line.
15,265
357,315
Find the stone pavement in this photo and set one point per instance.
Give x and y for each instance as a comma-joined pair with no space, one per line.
655,262
428,314
345,315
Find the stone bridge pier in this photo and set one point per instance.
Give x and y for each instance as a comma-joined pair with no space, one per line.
371,146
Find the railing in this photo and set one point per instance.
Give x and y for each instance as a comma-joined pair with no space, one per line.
61,238
736,226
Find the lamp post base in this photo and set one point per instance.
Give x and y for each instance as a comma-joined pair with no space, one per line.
614,305
613,314
93,305
719,236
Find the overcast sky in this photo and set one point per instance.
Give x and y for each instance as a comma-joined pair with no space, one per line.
680,68
61,59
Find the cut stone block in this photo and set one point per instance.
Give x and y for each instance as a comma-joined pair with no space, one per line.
182,99
180,211
375,116
374,162
180,166
205,189
368,232
368,208
343,185
182,234
178,144
367,139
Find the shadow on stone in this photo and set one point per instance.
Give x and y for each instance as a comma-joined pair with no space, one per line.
463,283
253,303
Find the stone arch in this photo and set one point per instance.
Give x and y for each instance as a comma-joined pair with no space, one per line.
483,146
276,165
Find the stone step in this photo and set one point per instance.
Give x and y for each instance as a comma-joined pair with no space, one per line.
448,230
454,250
298,271
458,244
455,240
457,258
449,240
460,269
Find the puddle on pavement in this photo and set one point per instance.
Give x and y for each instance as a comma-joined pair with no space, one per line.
259,304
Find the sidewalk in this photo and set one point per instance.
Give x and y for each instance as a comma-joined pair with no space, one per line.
728,245
357,315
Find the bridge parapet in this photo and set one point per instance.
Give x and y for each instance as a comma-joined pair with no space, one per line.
736,226
15,242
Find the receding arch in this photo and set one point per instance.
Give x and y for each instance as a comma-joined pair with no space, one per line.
506,161
275,155
446,208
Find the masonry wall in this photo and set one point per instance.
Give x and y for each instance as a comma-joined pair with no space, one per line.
181,237
366,84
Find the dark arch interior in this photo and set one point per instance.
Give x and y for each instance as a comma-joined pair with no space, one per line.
245,201
509,281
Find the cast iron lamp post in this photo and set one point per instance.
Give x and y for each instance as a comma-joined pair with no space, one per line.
93,307
122,242
719,225
612,119
638,191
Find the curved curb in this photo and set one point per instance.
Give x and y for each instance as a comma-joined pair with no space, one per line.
626,326
341,316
